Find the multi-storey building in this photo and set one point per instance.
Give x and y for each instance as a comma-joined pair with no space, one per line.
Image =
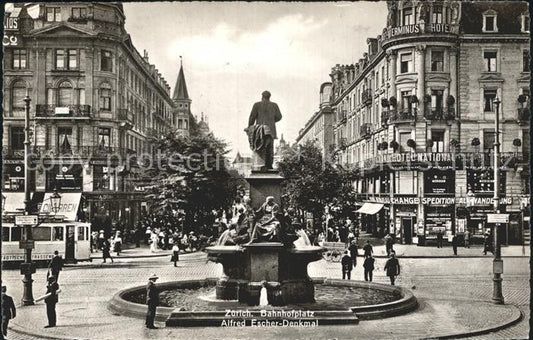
318,127
416,117
95,102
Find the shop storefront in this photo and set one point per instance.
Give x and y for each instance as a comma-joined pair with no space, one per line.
405,223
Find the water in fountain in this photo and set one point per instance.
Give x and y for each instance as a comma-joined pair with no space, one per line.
303,239
263,299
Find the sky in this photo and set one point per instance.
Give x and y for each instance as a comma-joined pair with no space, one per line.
233,51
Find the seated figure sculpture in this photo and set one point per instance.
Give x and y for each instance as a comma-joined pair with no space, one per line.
227,238
267,225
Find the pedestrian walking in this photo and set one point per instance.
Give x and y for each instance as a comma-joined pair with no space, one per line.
117,245
353,252
175,253
392,267
439,239
467,239
8,310
152,300
487,244
368,265
147,235
367,248
94,241
455,242
106,251
388,244
52,289
55,265
346,263
101,239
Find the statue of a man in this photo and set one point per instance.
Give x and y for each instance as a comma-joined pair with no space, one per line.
261,131
267,224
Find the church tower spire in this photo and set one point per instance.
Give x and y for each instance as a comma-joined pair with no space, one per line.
182,102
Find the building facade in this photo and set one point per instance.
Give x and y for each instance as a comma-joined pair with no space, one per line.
415,116
95,103
318,128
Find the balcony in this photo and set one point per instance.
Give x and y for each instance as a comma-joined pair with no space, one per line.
366,97
385,116
365,130
439,113
523,115
403,115
82,152
125,118
70,111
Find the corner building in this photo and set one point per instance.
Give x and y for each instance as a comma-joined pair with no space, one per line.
95,101
415,117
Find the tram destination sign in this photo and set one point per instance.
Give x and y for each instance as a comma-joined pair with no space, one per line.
26,220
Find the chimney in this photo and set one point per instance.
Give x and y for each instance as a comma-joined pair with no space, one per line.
145,55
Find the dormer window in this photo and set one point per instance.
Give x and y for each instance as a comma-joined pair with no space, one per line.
525,23
407,16
490,21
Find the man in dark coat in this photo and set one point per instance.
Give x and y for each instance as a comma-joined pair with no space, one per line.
152,300
454,244
392,267
346,263
353,252
8,310
266,113
439,239
56,265
368,265
51,301
368,249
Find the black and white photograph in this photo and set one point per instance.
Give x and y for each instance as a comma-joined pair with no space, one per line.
266,170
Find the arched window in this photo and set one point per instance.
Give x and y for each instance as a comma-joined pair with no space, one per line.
18,93
64,94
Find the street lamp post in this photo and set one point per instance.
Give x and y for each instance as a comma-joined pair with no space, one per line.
497,297
27,268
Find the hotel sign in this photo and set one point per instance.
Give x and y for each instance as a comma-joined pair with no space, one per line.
421,28
10,27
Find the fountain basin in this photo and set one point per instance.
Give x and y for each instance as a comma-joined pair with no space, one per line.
338,302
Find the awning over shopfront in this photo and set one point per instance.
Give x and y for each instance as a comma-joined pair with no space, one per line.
70,203
14,202
370,208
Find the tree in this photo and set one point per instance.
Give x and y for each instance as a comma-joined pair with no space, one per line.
311,183
190,174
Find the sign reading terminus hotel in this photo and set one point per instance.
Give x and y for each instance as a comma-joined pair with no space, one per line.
422,28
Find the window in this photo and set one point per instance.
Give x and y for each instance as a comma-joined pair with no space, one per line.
60,59
406,61
104,137
72,59
526,60
64,94
489,138
105,97
18,93
490,61
81,234
79,13
488,98
437,136
406,182
5,234
19,59
64,136
436,17
408,16
53,14
525,23
42,233
490,23
66,59
436,100
404,137
17,137
101,178
406,100
106,62
383,74
437,61
57,234
16,233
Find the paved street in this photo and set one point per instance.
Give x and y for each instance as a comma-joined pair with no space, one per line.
450,301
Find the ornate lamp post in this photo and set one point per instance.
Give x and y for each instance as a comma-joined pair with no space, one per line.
497,262
55,201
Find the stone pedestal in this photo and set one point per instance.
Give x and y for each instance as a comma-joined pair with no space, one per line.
264,184
263,259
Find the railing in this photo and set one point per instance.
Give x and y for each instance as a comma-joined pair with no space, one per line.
125,116
385,116
404,115
46,110
524,115
439,113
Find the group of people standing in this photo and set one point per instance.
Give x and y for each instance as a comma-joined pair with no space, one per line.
349,261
